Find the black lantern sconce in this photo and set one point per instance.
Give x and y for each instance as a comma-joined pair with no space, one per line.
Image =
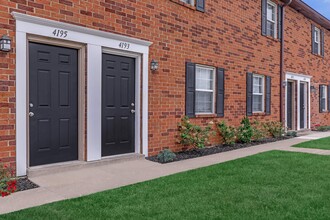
5,43
154,65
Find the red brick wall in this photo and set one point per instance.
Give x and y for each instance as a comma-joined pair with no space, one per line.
299,58
228,35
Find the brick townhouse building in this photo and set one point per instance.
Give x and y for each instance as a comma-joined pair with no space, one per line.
85,80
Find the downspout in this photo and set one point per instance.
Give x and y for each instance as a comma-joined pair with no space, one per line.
282,75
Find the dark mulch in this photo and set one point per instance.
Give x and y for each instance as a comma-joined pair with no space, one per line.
25,184
184,155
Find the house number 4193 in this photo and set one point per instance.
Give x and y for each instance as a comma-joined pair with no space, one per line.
124,45
60,33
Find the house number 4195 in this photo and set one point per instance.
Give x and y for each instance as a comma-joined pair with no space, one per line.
60,33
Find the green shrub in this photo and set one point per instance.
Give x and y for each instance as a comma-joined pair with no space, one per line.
228,133
291,134
259,131
166,156
274,128
245,131
193,135
323,128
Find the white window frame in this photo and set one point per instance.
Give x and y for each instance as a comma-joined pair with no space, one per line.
262,94
324,91
190,2
203,90
275,21
317,39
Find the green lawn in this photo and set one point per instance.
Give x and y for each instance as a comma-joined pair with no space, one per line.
323,144
272,185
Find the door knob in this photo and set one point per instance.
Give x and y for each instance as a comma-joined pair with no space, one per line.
31,114
31,105
132,111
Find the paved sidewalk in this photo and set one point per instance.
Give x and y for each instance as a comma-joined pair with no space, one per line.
75,183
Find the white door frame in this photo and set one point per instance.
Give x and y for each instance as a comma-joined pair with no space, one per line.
96,41
300,78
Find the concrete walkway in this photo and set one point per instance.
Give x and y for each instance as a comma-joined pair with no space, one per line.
79,182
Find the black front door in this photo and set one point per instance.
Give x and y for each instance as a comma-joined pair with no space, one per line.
289,109
53,104
302,105
118,95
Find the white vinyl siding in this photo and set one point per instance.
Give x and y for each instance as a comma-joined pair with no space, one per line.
258,93
205,85
271,19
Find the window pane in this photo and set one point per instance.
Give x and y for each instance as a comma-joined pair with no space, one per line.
204,102
317,36
270,28
257,103
270,12
323,104
188,1
257,85
323,91
204,78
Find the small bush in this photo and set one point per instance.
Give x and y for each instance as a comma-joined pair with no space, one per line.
166,156
245,131
259,131
228,133
193,135
291,134
323,128
7,182
274,128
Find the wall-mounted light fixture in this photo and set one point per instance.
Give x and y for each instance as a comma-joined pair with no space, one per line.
154,65
5,43
313,89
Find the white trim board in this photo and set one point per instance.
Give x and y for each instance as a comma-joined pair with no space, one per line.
298,78
96,41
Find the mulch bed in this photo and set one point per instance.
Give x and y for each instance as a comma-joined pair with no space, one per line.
25,184
184,155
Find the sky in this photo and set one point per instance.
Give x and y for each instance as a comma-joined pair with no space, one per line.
322,6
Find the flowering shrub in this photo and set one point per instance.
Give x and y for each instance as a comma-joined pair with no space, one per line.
228,133
193,135
7,183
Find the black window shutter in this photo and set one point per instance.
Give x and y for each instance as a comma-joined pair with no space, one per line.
313,40
220,92
200,5
190,89
264,17
321,104
328,98
322,43
249,94
280,11
268,94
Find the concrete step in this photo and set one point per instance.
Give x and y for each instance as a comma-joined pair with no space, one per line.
73,165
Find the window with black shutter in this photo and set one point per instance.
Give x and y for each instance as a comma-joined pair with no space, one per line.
323,98
204,90
258,94
271,22
317,41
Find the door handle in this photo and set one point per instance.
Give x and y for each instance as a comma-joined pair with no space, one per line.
132,111
31,114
